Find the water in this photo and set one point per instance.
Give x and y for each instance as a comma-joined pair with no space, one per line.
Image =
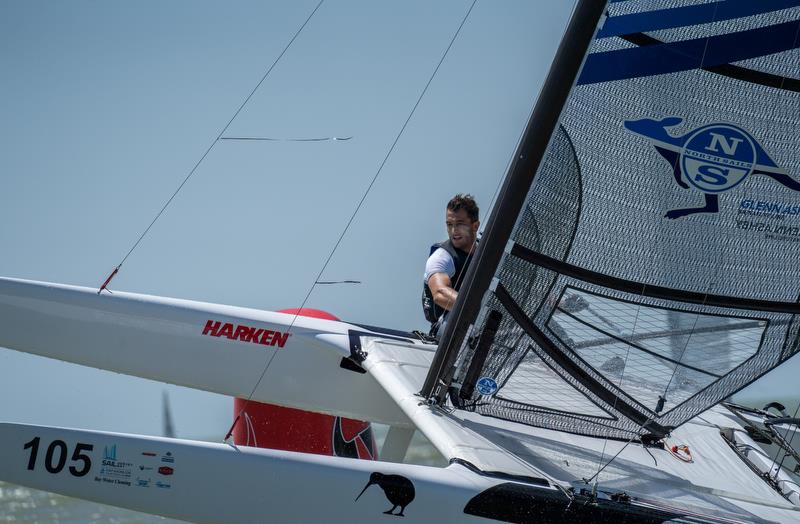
29,506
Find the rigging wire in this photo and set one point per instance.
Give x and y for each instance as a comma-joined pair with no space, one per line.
788,441
674,371
616,397
783,81
663,396
496,192
355,212
209,148
500,181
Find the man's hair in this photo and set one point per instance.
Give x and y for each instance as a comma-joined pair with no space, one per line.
465,202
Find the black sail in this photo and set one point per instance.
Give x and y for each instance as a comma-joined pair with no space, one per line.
651,267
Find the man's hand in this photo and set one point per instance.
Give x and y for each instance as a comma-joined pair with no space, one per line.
442,290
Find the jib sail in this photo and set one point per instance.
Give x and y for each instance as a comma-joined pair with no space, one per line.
652,269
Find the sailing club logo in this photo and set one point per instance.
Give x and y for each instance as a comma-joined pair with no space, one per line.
713,159
486,386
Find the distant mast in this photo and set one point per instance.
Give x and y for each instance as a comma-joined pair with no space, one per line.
166,415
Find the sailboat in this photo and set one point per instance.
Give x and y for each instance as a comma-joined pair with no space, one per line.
638,269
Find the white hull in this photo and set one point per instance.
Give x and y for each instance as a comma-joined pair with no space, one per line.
162,339
216,483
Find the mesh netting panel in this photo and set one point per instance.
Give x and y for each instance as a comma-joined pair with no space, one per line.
658,178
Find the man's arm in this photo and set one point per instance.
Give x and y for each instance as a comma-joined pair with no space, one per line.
442,290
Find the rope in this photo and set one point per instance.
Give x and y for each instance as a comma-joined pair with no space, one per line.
208,150
787,441
355,212
680,452
600,466
663,397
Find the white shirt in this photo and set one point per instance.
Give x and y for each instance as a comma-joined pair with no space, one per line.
439,262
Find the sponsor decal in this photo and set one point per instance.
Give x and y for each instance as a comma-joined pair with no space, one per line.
265,337
149,453
143,483
486,386
769,209
145,468
166,470
163,485
114,470
712,159
771,231
399,491
775,220
167,457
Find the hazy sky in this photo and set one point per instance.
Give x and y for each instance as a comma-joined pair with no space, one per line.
106,106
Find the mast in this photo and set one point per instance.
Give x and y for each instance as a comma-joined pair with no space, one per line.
543,121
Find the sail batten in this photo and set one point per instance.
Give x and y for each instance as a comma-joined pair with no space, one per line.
652,291
651,270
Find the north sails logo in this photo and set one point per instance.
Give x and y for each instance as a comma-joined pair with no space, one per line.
265,337
713,158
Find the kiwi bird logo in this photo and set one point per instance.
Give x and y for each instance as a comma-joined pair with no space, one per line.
398,489
713,158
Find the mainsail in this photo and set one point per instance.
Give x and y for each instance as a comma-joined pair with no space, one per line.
651,271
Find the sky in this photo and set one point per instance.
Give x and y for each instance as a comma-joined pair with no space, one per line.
105,107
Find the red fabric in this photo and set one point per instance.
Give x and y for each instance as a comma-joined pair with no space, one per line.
276,427
308,312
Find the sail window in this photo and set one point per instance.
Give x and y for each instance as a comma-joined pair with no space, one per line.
652,352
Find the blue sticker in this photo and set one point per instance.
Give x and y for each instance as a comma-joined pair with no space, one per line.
487,386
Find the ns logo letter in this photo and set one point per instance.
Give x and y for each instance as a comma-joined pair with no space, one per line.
713,158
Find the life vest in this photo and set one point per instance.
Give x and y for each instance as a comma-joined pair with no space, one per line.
461,260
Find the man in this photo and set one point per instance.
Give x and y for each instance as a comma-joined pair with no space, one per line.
448,262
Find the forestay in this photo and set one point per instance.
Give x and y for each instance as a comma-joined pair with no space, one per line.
652,271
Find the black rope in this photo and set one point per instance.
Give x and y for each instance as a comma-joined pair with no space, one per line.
788,442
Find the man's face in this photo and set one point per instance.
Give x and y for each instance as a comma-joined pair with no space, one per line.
461,230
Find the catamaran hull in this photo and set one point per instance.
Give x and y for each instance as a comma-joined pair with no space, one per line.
222,349
212,483
204,482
